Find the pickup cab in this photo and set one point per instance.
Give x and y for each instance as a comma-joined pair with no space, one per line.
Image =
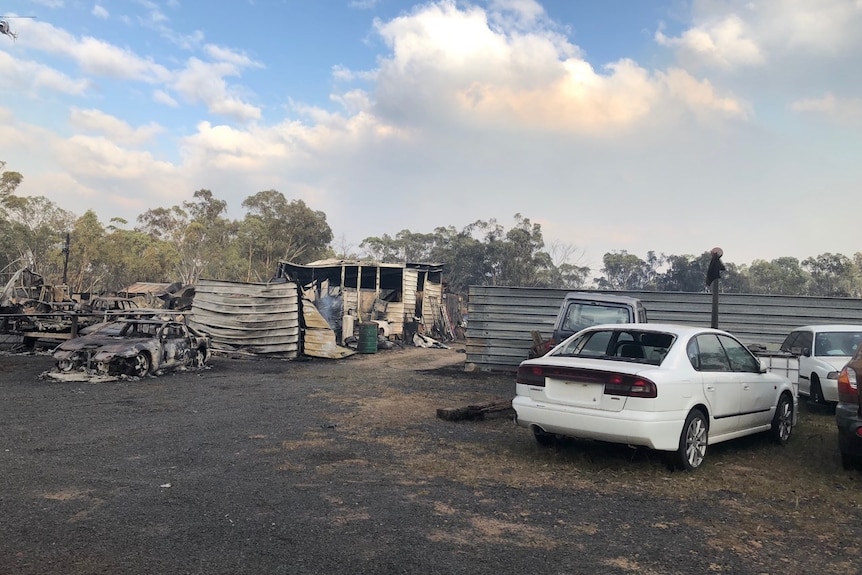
581,310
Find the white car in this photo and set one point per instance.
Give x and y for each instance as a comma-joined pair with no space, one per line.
672,388
822,350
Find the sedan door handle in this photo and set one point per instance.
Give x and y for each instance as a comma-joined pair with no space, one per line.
710,388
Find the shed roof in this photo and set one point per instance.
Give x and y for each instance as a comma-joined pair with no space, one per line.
147,287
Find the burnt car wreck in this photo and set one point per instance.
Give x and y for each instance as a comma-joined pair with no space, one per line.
139,347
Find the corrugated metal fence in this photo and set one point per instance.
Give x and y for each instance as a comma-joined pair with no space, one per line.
500,319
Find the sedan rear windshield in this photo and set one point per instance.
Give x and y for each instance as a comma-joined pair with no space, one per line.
619,345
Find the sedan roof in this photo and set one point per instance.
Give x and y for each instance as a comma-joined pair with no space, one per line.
830,327
678,329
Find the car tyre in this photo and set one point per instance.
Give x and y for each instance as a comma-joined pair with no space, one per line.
692,442
782,421
816,393
543,438
849,462
142,365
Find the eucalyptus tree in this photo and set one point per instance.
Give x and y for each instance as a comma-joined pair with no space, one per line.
406,246
833,275
36,228
89,256
31,229
135,256
624,271
290,231
9,182
561,272
196,232
784,276
482,253
462,255
523,261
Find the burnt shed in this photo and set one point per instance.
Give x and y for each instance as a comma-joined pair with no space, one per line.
400,297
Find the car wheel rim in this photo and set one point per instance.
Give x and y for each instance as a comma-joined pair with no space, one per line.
785,421
141,365
695,443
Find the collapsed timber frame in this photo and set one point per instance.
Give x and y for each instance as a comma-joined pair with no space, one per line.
399,297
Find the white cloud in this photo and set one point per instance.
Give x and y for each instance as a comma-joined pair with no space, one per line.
27,76
701,96
734,34
84,172
222,54
112,128
451,64
824,27
95,56
726,43
363,4
100,158
100,11
516,14
155,15
98,57
481,113
840,109
197,82
163,97
204,82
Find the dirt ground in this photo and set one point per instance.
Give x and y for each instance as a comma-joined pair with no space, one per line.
342,466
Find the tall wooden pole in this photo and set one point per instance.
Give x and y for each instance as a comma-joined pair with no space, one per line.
714,323
66,259
712,276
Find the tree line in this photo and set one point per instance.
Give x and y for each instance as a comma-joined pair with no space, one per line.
195,239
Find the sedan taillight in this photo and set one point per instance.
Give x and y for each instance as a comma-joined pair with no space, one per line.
615,383
847,387
530,375
630,386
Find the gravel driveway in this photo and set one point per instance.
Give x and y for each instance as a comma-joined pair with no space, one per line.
307,467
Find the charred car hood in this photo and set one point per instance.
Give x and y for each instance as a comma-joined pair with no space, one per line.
106,343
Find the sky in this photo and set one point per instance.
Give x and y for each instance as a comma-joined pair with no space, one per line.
672,126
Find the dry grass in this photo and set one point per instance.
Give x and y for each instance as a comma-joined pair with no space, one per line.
800,485
767,491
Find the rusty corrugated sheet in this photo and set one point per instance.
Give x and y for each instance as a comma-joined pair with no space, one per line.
254,317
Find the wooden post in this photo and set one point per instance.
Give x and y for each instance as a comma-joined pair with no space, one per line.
712,276
714,323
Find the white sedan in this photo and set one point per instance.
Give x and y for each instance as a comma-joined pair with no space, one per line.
822,351
672,388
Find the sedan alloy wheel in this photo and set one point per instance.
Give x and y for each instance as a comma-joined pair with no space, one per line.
693,442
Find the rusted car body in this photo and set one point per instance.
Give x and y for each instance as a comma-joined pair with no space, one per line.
140,347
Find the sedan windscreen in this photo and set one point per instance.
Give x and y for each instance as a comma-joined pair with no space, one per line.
837,343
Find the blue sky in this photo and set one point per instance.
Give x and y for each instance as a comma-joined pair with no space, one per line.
667,125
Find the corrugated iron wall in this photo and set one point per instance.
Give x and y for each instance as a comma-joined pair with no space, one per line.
500,319
253,317
410,281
